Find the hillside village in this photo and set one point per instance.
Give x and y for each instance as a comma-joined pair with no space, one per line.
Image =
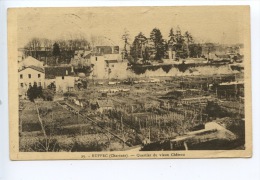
149,95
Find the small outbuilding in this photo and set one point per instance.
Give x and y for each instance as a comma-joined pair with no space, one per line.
104,105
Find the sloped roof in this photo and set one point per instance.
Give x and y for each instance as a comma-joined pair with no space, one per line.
30,61
34,68
52,72
87,54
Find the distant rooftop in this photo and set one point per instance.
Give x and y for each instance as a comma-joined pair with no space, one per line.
34,68
52,72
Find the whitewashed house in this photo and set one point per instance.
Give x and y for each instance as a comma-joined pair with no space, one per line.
28,76
62,76
116,68
64,83
108,66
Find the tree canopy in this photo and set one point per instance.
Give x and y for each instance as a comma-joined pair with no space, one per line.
160,45
56,49
155,47
34,92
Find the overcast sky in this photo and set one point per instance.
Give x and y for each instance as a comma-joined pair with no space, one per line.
214,24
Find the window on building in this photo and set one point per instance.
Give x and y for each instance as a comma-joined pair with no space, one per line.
29,76
21,76
62,77
21,84
39,75
39,83
96,58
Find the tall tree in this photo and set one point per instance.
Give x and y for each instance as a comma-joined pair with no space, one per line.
179,39
125,38
33,46
156,37
34,92
56,51
189,40
172,40
138,48
195,50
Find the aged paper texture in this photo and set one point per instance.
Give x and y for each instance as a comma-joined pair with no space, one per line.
129,82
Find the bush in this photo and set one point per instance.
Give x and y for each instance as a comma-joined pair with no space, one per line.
34,92
47,95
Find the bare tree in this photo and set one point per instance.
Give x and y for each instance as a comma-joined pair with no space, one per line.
33,46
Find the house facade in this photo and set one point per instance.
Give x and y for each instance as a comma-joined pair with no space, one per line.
116,69
62,77
108,66
64,83
98,67
28,77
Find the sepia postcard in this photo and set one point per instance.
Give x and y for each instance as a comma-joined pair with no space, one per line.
129,82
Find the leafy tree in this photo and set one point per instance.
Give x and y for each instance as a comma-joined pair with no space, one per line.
179,40
188,39
56,49
171,34
195,50
137,48
48,94
146,55
172,40
215,111
32,92
156,37
39,91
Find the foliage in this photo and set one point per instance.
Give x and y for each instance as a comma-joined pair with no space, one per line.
34,92
56,49
48,94
155,47
195,50
137,48
160,45
215,111
52,86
